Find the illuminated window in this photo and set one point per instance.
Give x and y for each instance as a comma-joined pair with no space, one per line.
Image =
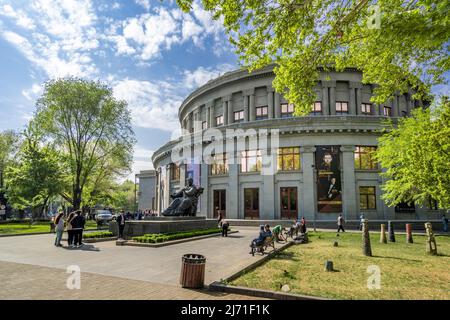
219,164
219,120
251,161
289,159
366,108
261,113
316,108
238,116
364,159
287,110
341,107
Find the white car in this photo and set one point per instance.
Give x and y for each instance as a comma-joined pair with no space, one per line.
103,216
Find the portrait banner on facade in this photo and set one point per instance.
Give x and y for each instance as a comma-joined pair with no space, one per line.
329,192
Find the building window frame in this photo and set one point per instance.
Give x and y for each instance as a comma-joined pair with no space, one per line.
262,112
363,154
387,111
204,125
341,107
366,108
316,108
219,164
288,159
174,171
367,198
219,120
251,161
238,116
287,110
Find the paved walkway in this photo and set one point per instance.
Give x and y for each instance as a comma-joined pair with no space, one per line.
31,267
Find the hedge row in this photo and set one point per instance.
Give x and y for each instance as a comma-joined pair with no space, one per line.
163,237
92,235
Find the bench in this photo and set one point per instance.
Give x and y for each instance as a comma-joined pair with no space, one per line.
268,242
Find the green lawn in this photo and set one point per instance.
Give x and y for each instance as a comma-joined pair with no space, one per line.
407,271
25,227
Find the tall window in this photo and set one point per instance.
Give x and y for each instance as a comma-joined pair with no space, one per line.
364,158
261,113
219,120
288,159
287,110
366,108
251,161
316,108
219,164
341,107
367,198
204,125
174,171
238,116
387,111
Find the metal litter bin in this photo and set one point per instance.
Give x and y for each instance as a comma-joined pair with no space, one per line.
192,271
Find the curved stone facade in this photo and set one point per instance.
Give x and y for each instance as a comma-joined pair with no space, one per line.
321,163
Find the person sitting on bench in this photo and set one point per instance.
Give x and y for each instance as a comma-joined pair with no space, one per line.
264,232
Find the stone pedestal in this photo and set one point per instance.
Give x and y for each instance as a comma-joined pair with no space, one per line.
162,225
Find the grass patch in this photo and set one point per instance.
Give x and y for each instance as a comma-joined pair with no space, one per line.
36,227
163,237
407,271
96,235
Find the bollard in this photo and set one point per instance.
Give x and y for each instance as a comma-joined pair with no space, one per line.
431,241
366,248
409,238
329,266
391,231
383,234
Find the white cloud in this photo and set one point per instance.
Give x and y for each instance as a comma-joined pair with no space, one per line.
201,75
143,3
32,93
19,16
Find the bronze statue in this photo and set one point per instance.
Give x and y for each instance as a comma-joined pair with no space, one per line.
185,201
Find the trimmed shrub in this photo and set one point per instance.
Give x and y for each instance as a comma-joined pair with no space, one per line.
163,237
95,235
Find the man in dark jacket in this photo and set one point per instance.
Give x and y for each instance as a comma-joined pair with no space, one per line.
121,223
77,226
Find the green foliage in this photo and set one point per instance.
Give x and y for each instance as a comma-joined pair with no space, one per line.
408,49
36,174
96,235
92,130
111,194
163,237
9,143
416,157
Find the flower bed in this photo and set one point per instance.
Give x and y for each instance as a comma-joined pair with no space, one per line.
163,237
96,235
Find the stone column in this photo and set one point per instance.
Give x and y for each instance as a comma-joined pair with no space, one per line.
352,103
203,210
246,109
276,105
252,107
270,102
232,192
212,115
225,111
208,117
408,103
325,100
230,110
166,189
396,107
182,175
376,109
197,124
309,183
358,99
332,85
349,204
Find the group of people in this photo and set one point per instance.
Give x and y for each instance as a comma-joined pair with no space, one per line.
264,232
74,224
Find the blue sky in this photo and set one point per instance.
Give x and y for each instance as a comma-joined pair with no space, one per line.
148,51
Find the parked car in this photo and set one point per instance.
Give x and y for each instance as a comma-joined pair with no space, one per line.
103,216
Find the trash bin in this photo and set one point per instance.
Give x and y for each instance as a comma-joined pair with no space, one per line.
192,271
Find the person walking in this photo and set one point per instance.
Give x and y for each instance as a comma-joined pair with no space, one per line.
121,223
59,228
225,226
340,223
78,223
303,226
444,223
70,232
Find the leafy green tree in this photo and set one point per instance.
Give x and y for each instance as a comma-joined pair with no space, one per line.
416,157
9,141
397,44
90,127
35,176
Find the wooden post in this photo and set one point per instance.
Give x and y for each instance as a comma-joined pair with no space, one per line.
409,238
366,248
431,241
383,238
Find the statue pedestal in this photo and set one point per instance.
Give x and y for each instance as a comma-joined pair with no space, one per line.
135,228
